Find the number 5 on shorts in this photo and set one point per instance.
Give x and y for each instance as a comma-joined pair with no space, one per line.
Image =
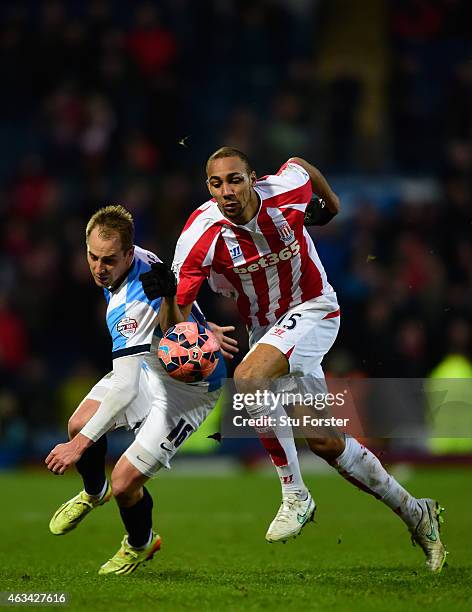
292,318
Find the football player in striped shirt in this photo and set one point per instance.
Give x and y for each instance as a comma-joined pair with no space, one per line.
249,241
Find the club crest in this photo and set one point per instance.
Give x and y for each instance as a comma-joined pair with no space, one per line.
285,232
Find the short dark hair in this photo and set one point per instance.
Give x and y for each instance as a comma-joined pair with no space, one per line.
113,219
230,152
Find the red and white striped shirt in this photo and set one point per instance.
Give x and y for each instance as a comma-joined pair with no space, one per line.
268,265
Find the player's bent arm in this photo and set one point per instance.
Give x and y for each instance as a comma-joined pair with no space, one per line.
125,389
319,185
126,373
170,313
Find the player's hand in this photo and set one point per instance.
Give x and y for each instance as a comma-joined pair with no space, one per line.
228,345
159,282
63,456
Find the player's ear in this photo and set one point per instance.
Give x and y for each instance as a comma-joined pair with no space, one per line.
253,178
209,186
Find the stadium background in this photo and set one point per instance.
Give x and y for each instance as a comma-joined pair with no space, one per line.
121,102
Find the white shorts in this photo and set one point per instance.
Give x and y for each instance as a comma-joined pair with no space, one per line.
164,414
304,335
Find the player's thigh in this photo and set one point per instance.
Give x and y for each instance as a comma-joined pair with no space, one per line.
125,478
303,336
263,362
308,354
288,347
177,412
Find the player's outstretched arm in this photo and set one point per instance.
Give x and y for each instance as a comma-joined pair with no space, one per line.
126,374
170,313
319,185
228,345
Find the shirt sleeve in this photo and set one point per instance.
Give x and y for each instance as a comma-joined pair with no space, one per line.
125,388
293,173
192,262
290,188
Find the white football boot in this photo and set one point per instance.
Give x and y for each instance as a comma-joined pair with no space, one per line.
292,516
426,534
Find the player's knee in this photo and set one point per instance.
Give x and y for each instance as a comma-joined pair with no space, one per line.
125,489
122,491
327,448
245,378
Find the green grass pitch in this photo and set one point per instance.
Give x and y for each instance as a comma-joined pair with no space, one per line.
357,556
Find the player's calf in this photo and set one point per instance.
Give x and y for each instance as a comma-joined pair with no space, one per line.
134,502
328,448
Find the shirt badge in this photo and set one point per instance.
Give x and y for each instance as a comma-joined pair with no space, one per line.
285,232
127,327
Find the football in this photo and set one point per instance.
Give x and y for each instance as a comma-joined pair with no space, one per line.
188,352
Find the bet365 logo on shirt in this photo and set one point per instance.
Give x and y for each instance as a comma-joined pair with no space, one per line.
127,327
271,259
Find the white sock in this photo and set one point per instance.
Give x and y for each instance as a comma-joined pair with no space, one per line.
362,468
279,443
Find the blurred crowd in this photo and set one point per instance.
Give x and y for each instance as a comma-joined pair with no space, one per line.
114,101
